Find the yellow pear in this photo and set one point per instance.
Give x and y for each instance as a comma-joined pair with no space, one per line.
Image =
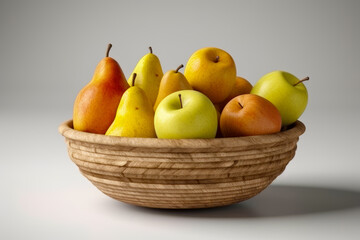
134,116
148,75
172,81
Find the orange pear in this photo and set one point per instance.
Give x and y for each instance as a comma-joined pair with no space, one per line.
241,86
172,81
96,104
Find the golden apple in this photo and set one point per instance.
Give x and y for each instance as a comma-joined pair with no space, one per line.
211,71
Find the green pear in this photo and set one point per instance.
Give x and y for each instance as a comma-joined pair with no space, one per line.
134,116
148,75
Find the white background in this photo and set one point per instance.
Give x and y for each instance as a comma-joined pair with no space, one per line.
49,50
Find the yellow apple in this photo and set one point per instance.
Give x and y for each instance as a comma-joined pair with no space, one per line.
211,71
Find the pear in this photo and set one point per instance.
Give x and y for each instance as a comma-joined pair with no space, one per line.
96,104
134,116
172,81
148,75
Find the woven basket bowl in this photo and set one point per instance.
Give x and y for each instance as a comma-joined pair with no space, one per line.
184,173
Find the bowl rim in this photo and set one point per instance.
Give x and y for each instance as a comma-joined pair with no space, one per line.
293,131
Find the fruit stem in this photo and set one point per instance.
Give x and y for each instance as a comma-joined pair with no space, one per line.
240,105
150,48
108,49
133,79
181,105
302,80
217,59
178,68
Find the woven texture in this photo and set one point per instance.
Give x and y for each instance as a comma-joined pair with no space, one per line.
185,173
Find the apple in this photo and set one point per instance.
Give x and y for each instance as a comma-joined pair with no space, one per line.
185,114
211,71
249,114
286,92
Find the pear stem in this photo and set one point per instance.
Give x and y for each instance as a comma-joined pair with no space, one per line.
302,80
181,105
150,48
178,68
108,49
217,59
133,79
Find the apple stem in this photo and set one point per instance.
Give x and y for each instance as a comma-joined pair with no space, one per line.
178,68
240,105
302,80
217,59
150,48
108,49
133,79
181,105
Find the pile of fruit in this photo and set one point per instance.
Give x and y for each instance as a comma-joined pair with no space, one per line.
209,100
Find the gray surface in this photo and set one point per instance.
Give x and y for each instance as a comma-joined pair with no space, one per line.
49,51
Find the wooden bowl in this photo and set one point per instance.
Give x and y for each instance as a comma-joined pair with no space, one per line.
184,173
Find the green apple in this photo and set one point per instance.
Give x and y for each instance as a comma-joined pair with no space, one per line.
286,92
186,114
